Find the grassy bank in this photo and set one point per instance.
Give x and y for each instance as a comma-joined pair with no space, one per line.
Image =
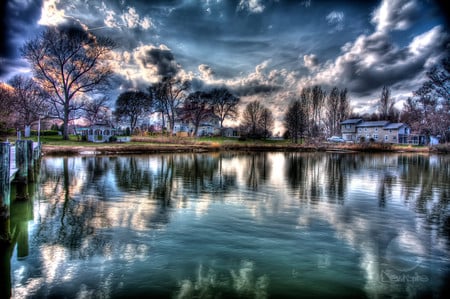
54,145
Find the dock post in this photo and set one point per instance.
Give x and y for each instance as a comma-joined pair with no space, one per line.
30,160
4,192
21,178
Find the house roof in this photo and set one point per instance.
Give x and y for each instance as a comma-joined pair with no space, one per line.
366,124
351,121
394,126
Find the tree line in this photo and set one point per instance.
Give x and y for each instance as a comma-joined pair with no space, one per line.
71,72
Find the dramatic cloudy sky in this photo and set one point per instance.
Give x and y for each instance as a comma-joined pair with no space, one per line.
260,49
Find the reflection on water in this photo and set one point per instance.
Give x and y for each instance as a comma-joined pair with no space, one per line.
236,225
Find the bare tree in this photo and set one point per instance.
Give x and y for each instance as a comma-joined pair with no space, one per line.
386,107
257,120
337,109
317,100
30,100
332,111
7,111
344,106
224,105
131,106
97,110
296,120
69,62
197,108
168,95
267,122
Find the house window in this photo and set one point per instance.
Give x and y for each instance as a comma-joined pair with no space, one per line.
386,137
365,129
394,137
375,136
348,126
360,129
390,131
376,129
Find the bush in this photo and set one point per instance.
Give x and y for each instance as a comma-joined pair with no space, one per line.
49,133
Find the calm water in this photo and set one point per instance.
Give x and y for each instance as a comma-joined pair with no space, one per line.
264,225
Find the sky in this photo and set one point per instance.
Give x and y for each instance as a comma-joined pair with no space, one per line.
265,50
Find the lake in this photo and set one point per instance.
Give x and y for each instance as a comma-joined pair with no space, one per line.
227,225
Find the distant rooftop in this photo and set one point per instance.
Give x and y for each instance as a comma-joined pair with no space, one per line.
394,126
379,123
351,121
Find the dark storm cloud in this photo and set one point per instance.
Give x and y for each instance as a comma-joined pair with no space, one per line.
18,23
163,60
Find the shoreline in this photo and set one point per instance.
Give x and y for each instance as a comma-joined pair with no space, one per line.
144,148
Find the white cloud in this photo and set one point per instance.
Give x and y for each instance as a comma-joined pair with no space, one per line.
129,19
336,18
253,6
206,72
395,15
310,61
373,61
110,19
50,14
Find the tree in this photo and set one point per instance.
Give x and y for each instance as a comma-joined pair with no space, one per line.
317,100
344,106
168,95
7,107
224,105
332,111
386,109
67,63
296,120
97,110
131,106
428,110
337,109
30,100
197,108
314,98
266,122
257,120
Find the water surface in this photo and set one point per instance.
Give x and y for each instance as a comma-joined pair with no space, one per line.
256,225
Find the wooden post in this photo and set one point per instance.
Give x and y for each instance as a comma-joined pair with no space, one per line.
22,174
30,160
5,235
4,173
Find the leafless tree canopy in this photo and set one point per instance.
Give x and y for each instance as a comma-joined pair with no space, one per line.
131,106
69,62
30,100
225,105
257,120
168,95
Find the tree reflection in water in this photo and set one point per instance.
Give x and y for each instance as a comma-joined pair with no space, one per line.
118,208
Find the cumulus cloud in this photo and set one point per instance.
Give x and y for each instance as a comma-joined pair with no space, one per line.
310,61
206,71
395,15
373,61
159,60
51,15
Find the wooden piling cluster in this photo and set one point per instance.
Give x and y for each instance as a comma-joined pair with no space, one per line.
17,167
